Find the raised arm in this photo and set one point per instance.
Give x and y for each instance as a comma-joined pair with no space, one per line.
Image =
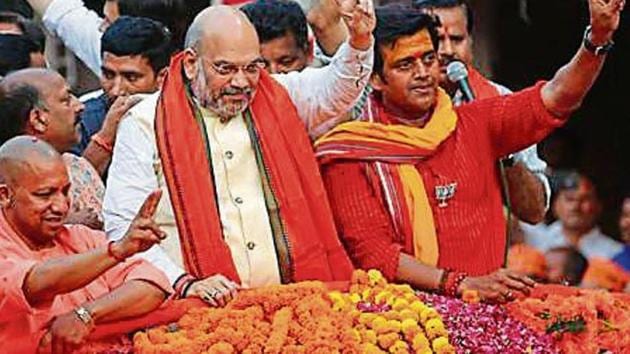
565,92
324,17
76,25
324,94
63,275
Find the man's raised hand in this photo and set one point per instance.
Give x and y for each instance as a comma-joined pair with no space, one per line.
143,232
360,19
605,17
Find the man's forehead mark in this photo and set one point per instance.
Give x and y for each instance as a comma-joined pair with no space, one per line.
415,46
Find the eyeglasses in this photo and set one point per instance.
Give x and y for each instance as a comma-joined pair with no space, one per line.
230,69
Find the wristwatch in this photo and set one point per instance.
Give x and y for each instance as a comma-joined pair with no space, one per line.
595,49
84,315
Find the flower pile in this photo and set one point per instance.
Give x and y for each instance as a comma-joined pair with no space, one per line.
295,318
488,329
390,318
580,321
374,317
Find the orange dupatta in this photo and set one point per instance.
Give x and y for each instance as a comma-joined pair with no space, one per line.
311,249
391,151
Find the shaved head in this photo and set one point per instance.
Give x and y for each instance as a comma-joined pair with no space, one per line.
20,154
39,102
40,79
220,23
34,189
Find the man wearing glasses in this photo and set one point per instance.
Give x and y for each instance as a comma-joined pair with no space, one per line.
229,146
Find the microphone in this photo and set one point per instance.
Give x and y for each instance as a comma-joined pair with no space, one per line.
458,74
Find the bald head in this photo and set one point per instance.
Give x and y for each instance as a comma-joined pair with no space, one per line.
40,79
22,154
221,24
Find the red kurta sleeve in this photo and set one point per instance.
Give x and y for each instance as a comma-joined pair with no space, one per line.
362,221
514,121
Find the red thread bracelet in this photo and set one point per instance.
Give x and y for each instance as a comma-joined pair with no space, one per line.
110,252
98,140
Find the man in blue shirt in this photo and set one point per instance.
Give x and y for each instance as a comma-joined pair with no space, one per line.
135,53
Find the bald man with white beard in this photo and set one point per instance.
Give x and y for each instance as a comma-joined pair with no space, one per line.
229,145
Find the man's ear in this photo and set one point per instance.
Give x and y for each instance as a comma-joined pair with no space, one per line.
190,63
161,76
377,82
38,121
5,196
310,51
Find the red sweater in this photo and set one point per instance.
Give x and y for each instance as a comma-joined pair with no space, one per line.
471,228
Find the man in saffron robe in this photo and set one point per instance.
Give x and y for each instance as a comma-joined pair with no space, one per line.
60,282
229,146
413,186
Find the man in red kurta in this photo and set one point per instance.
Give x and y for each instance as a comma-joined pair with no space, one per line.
413,185
59,282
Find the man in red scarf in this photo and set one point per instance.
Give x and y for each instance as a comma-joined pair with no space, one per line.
229,146
413,185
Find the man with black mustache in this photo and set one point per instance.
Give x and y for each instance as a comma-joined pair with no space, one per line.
413,185
527,185
38,102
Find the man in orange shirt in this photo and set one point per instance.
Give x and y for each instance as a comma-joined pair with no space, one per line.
59,282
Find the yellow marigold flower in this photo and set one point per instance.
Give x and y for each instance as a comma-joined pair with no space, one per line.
394,326
365,295
387,340
369,336
355,298
440,344
400,304
424,351
427,314
392,315
374,277
336,296
367,318
356,335
399,347
435,328
411,297
471,296
408,326
359,276
222,348
382,297
370,348
379,325
418,306
420,342
409,314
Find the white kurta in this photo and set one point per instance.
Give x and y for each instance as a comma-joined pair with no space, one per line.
320,96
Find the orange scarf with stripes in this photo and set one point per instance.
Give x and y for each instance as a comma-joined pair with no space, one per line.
391,152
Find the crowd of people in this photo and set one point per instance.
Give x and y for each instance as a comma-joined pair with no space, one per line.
276,143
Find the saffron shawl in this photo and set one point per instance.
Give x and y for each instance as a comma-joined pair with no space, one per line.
390,152
304,234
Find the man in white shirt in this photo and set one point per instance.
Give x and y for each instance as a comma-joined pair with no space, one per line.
244,202
577,208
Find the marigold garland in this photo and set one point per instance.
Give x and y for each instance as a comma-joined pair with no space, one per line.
581,321
374,317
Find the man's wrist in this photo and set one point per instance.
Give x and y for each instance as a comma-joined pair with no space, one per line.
84,315
362,43
116,251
